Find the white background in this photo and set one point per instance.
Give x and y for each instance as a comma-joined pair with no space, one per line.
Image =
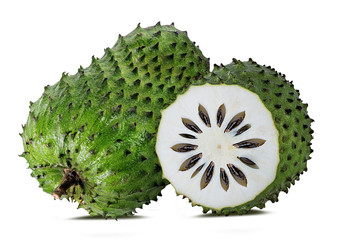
41,39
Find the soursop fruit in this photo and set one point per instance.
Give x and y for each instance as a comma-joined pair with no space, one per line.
235,139
91,136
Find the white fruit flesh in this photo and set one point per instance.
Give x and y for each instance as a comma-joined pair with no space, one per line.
217,146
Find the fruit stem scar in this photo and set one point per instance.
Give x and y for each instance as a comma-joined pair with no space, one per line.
70,179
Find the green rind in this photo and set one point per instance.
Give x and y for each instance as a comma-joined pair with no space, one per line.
102,121
291,119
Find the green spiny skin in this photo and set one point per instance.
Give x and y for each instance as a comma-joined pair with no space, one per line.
289,114
91,136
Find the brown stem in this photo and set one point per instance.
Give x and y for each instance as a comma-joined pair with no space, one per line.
70,179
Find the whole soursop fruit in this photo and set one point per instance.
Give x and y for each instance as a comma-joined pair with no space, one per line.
91,136
235,139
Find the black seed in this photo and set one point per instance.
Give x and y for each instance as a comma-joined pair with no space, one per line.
185,135
238,175
221,113
207,175
236,121
243,129
248,162
204,115
277,106
91,151
91,138
190,162
250,143
224,179
143,158
191,125
184,147
197,170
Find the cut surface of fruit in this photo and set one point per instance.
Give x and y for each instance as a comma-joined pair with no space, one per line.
218,145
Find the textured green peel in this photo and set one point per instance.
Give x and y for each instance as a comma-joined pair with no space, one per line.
99,125
91,137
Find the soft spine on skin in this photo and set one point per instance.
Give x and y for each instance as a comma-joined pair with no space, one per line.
96,129
289,114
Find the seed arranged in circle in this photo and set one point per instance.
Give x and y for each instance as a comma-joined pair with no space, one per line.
234,171
218,145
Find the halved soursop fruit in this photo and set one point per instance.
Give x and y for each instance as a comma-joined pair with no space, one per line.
91,136
235,139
